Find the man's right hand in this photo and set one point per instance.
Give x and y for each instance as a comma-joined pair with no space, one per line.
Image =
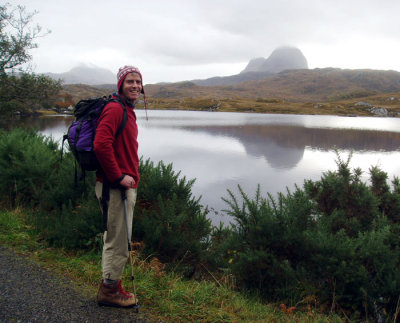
128,182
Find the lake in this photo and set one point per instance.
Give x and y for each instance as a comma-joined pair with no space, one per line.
222,149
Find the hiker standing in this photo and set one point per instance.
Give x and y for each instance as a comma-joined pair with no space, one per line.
118,157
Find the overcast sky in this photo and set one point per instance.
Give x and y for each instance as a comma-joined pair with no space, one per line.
176,40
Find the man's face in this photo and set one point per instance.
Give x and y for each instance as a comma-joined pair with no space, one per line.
132,86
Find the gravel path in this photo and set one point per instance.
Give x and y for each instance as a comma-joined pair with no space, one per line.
29,293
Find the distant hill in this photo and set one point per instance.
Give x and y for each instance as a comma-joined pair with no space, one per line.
85,74
283,75
83,91
233,79
299,85
281,59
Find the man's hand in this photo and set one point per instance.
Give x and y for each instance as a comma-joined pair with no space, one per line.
128,181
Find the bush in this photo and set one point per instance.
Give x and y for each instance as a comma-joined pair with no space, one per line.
335,242
268,243
342,196
171,223
30,164
64,210
27,160
72,227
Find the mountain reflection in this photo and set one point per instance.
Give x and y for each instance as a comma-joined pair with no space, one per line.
283,146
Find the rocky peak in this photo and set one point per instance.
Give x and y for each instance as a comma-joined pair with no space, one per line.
282,58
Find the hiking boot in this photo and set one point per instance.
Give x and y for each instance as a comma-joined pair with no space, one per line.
114,295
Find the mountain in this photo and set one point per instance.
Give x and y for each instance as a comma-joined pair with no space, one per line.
284,75
86,74
281,59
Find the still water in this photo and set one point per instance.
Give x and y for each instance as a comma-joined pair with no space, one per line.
222,150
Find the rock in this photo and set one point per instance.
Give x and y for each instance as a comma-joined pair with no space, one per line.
365,104
379,112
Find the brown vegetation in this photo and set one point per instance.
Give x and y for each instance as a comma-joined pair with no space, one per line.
318,91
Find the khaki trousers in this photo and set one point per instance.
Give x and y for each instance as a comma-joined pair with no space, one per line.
115,249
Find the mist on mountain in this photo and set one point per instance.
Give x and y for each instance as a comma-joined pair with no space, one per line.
86,74
282,58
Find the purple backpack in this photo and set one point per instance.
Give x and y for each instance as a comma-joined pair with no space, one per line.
82,131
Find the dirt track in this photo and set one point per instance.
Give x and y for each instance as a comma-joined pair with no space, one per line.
29,293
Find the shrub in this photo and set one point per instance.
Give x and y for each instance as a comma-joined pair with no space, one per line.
171,223
64,210
268,242
388,201
30,164
27,159
74,226
342,196
336,242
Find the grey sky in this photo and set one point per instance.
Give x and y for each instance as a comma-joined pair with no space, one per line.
175,40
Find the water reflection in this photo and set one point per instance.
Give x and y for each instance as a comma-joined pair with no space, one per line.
55,126
283,146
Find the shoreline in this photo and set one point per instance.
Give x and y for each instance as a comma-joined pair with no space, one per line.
381,113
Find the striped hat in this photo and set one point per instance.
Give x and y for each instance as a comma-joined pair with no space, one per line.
122,73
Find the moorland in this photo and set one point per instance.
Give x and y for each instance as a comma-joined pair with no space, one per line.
328,91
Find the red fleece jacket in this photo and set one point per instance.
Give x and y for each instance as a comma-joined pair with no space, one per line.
117,156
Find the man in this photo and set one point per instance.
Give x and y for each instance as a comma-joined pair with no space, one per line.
118,157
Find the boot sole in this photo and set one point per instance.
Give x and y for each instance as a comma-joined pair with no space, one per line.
136,306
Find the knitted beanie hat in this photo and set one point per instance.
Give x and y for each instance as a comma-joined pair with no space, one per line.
122,73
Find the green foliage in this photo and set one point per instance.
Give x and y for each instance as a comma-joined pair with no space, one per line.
26,161
341,195
388,201
220,250
26,92
268,242
336,242
32,175
170,222
73,227
17,36
167,218
356,274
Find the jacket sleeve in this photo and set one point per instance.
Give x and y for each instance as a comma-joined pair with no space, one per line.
108,124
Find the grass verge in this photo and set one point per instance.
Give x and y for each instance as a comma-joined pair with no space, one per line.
163,295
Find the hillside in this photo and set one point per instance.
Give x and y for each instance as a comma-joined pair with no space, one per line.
318,91
81,91
294,85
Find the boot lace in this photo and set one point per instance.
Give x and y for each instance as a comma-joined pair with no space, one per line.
121,290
